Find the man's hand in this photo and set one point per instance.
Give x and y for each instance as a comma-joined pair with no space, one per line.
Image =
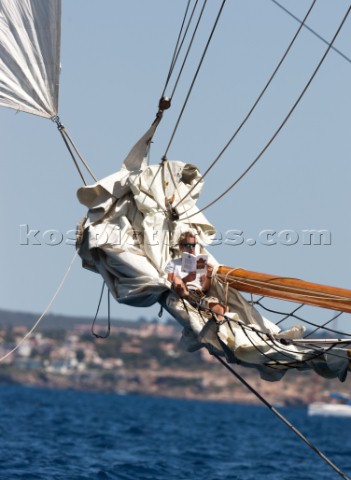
209,270
190,277
180,288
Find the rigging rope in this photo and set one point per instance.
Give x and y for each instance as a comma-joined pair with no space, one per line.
323,327
281,417
254,105
68,142
304,339
312,31
292,314
45,311
189,48
283,123
178,47
195,77
78,153
279,344
276,343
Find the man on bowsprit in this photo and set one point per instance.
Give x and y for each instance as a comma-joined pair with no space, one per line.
193,286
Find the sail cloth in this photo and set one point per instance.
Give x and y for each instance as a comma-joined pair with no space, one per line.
30,55
129,235
129,230
247,338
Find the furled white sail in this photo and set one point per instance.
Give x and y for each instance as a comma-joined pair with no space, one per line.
129,230
30,55
128,236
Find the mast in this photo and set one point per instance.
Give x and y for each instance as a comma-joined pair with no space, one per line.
285,288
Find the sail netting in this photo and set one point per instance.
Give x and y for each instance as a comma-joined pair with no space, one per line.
30,55
135,217
294,336
317,329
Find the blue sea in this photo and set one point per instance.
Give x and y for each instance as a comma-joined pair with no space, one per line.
64,434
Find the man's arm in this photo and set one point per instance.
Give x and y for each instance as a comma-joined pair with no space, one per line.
179,284
172,277
206,280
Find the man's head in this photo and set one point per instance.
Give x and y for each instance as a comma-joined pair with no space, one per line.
187,242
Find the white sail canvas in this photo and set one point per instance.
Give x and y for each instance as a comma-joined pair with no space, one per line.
30,55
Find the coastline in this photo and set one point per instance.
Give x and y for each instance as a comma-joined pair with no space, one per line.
140,357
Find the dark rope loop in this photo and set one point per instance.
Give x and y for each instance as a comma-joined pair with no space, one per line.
108,318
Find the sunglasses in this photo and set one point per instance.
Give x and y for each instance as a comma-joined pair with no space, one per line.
188,245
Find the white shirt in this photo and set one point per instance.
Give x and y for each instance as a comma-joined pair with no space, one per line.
175,267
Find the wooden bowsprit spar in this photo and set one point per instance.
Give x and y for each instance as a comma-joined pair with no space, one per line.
294,290
284,288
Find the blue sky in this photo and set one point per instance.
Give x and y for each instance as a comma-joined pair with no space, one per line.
115,57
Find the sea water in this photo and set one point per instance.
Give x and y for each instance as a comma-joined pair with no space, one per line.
58,434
